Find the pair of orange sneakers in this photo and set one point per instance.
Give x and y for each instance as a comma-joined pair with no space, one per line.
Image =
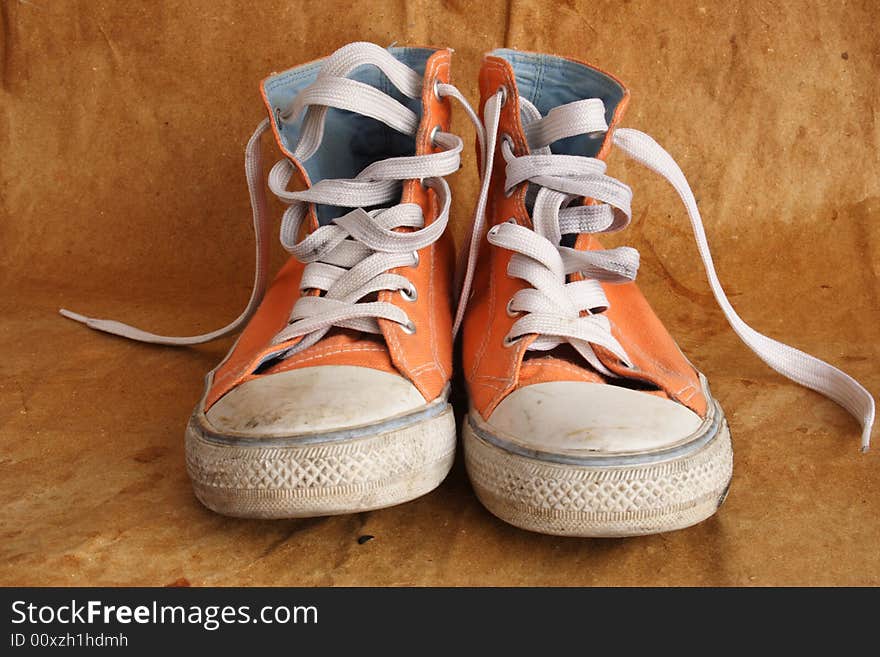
585,418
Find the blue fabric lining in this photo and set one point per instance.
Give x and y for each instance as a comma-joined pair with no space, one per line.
548,81
351,141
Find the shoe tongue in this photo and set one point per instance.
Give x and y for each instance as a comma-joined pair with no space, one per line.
350,141
579,117
547,82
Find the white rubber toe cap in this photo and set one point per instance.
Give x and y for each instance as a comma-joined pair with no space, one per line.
313,399
577,418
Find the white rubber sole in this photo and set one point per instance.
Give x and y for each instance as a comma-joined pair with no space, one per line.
645,494
292,478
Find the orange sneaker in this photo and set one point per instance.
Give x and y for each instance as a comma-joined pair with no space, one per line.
334,399
585,417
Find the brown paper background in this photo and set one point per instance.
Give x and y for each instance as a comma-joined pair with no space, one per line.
122,194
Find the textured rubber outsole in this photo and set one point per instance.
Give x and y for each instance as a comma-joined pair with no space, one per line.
321,479
600,501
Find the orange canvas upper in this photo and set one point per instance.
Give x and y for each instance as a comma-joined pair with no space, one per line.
425,357
493,370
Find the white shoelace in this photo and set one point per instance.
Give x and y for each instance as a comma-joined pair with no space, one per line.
551,307
349,259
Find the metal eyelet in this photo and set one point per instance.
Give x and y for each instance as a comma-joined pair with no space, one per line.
278,119
510,312
436,87
409,294
509,342
504,94
433,135
416,259
494,229
409,328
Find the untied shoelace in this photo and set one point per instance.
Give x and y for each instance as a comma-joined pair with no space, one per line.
559,310
350,258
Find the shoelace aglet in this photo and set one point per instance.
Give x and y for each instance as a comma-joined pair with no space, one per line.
866,438
113,327
106,325
69,314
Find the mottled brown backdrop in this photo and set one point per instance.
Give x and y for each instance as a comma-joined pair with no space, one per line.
122,128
